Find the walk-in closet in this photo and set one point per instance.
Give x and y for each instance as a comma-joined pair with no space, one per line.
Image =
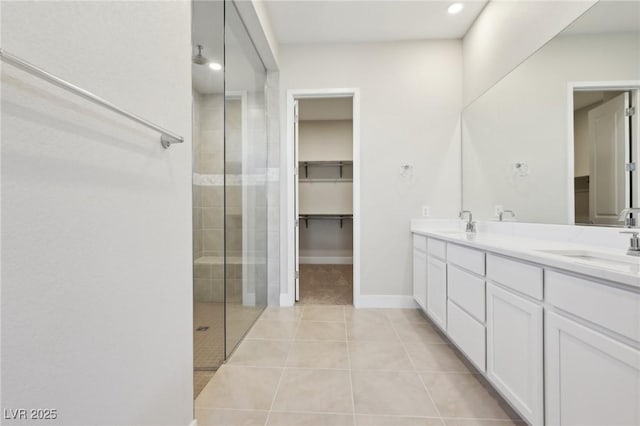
325,200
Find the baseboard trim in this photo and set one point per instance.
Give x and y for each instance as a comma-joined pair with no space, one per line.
326,260
385,301
285,300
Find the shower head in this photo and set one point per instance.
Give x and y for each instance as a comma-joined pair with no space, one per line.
199,59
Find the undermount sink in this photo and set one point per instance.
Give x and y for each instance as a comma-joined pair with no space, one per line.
449,231
603,260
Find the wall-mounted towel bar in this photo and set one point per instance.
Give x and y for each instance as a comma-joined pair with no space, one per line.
166,137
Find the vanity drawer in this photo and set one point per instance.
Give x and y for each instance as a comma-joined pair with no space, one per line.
468,334
611,307
420,242
522,277
437,248
470,259
467,291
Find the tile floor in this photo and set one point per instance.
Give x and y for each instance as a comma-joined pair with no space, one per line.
336,365
209,345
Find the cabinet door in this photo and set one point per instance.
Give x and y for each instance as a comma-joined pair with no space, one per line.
437,291
420,278
515,351
590,379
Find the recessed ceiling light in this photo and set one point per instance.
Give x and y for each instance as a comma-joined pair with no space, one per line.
215,66
455,8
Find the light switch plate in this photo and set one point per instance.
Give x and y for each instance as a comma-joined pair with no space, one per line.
425,211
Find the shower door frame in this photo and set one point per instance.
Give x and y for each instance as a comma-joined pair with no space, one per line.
288,299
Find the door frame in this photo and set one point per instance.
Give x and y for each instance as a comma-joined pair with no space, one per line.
632,85
288,298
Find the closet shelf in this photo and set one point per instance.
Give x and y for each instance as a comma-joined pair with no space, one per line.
340,217
335,180
340,164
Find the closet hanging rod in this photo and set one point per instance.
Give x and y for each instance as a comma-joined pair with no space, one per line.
167,138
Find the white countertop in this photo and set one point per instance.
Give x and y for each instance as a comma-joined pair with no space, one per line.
528,249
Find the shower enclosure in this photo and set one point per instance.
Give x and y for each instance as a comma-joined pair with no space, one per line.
229,184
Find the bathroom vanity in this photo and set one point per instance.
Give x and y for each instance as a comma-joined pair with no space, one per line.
554,326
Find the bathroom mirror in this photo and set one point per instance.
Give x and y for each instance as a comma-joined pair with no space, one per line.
552,141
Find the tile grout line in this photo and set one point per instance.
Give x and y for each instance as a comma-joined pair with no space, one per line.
275,395
417,373
346,336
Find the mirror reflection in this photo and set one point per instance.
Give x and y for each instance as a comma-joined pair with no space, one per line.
555,141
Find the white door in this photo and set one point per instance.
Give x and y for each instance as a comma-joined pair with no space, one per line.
437,291
515,352
296,203
420,278
590,379
609,146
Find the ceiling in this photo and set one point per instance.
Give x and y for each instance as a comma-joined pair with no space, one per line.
607,17
352,21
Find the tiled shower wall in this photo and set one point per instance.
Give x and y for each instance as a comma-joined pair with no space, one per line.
209,196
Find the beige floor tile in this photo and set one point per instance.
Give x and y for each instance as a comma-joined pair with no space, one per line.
200,380
222,417
323,313
321,330
270,329
364,331
405,315
417,332
363,420
391,393
365,316
327,391
481,422
247,388
282,314
312,354
378,355
464,395
308,419
435,357
261,353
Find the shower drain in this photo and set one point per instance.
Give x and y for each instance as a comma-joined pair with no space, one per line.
202,328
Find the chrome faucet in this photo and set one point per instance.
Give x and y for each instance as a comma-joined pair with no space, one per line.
513,215
471,225
634,243
625,216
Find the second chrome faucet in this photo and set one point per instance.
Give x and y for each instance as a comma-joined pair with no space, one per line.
471,225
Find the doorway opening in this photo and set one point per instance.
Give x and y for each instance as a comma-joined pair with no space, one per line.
323,208
605,153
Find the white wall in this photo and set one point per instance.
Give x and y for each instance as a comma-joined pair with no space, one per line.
524,118
96,216
325,140
410,102
506,33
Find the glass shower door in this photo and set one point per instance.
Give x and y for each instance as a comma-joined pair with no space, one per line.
245,163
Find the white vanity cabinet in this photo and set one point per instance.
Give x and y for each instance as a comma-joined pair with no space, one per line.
437,291
592,360
590,379
515,351
562,347
420,270
466,302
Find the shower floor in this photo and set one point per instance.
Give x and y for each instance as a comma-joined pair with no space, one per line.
208,345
